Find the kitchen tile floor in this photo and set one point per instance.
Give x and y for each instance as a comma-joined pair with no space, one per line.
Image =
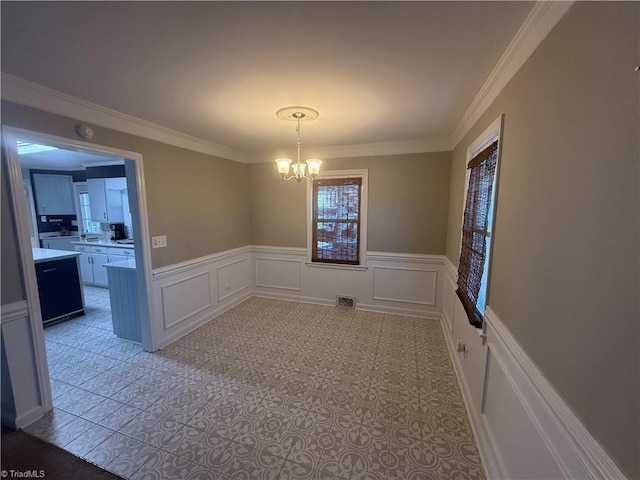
270,389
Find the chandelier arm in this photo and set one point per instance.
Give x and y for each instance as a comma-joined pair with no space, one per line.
298,177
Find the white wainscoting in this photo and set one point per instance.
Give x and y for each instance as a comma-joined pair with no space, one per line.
21,399
233,278
278,273
408,284
185,298
523,428
189,294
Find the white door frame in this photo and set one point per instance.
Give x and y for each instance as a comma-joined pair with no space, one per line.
21,215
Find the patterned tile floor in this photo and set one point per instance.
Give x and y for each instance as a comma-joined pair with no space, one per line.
270,390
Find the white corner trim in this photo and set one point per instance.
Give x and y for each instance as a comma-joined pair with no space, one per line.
577,452
31,94
540,21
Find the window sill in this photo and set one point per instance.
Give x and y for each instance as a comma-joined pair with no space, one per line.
337,266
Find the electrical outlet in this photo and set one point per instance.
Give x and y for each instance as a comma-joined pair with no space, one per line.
159,241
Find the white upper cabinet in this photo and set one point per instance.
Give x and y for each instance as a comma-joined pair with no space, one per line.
54,194
106,199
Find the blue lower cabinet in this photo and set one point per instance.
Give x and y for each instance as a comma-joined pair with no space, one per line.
59,288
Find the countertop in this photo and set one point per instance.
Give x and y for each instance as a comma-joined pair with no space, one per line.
104,243
44,236
129,263
46,254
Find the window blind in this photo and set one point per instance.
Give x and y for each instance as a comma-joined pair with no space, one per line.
475,231
336,220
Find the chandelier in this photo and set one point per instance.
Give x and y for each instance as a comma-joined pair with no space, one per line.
298,114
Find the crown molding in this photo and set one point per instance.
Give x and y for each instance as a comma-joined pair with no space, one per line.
33,95
385,148
540,21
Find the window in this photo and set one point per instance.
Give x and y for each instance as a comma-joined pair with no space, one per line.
338,218
84,210
477,226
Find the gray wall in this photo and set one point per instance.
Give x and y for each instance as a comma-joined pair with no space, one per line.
12,285
407,207
200,202
565,277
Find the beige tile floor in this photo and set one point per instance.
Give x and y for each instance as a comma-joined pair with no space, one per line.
271,390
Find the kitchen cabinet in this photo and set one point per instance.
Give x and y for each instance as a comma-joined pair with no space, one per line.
60,243
106,199
119,254
54,194
59,286
92,261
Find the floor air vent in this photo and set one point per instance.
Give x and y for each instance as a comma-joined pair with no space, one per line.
348,302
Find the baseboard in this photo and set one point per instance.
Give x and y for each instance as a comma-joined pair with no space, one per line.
28,418
390,310
293,298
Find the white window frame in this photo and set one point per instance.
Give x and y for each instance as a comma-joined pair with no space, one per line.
364,195
492,133
78,188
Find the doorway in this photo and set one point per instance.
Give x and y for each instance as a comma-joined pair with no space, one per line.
23,217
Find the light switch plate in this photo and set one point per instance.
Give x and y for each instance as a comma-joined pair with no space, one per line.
159,241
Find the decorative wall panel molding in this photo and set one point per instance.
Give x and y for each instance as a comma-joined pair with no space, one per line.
405,285
279,273
185,298
233,278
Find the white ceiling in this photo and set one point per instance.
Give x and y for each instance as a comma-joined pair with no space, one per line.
65,160
377,72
